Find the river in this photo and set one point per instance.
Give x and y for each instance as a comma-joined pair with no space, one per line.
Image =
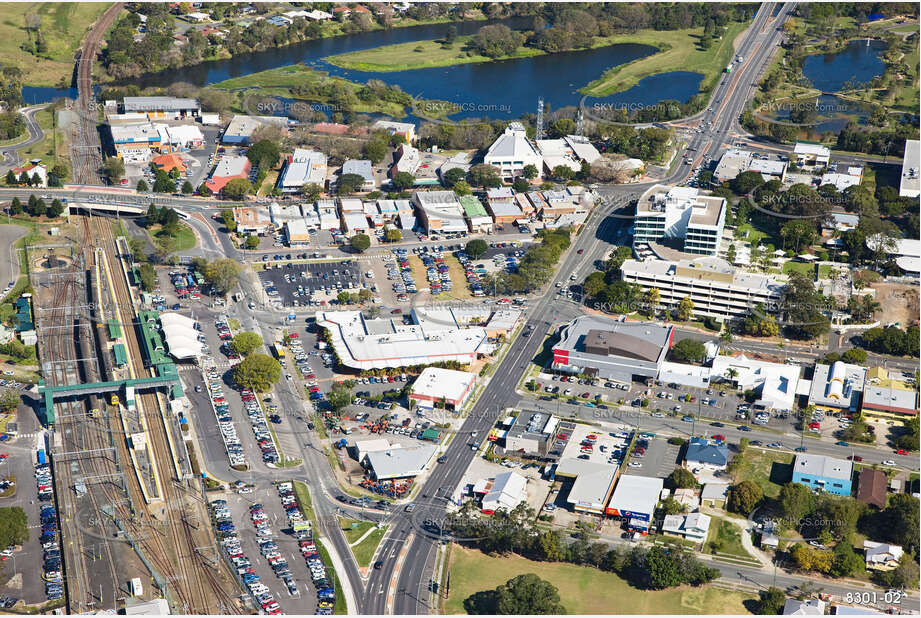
503,89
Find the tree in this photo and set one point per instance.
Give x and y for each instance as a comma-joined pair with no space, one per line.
689,351
264,154
685,309
229,222
344,298
187,188
11,178
528,594
142,186
451,35
661,570
14,526
744,497
796,501
403,181
452,177
376,150
563,127
854,356
340,396
258,372
9,400
114,168
360,242
476,248
462,187
237,189
521,185
681,478
496,40
251,242
148,277
350,183
801,307
223,274
392,234
246,343
163,183
846,562
562,172
55,209
530,171
771,601
486,176
652,299
746,182
15,206
311,191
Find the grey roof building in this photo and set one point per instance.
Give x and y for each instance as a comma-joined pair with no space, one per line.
399,463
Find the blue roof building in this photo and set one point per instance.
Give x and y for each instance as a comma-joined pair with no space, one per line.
825,473
703,452
24,314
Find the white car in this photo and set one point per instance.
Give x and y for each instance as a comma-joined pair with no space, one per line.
888,462
635,464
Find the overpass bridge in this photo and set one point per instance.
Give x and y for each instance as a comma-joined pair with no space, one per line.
53,393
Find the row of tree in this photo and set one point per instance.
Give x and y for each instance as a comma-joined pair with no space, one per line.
37,207
536,266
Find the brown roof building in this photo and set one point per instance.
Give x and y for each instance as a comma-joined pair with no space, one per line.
871,487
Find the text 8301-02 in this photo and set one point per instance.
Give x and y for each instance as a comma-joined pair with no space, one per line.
890,597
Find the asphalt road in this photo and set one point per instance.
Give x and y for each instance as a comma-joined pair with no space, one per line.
10,154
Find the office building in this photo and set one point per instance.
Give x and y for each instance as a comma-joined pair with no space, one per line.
436,386
506,491
683,214
824,473
227,169
162,107
303,167
592,483
811,155
477,218
252,221
531,434
360,167
889,403
774,384
399,463
716,288
612,350
406,130
241,128
512,152
837,387
439,211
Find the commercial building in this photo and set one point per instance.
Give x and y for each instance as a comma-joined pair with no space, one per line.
735,161
362,448
837,387
436,386
282,213
399,463
503,205
592,483
769,169
703,454
478,219
252,220
161,107
570,151
154,607
680,213
716,288
406,130
179,137
634,500
613,350
910,183
531,434
774,384
303,167
811,155
227,169
506,491
363,343
297,233
134,141
169,162
890,403
693,527
354,223
241,128
407,159
512,152
328,214
439,211
360,167
871,487
825,473
882,556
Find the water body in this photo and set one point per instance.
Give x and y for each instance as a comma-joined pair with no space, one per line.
858,61
504,89
38,94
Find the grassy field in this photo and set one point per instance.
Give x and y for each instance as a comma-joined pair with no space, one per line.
352,534
418,55
728,536
364,551
767,469
583,590
460,289
281,81
45,149
182,241
799,267
681,53
63,26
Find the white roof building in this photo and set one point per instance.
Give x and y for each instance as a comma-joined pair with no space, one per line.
378,344
304,166
882,555
512,152
811,154
435,385
281,214
506,491
180,336
354,223
593,482
635,497
693,526
775,383
837,387
328,214
809,607
440,211
240,128
399,463
910,184
373,445
840,181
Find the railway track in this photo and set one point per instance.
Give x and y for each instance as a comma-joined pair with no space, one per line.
86,149
173,542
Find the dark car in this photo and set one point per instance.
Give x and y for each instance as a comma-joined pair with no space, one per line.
744,428
378,565
716,424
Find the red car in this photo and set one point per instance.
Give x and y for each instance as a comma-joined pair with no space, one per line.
900,451
720,437
855,457
581,251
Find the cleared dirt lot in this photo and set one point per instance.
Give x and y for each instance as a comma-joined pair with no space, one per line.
899,302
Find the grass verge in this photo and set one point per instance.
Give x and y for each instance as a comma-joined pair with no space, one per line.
583,590
364,551
340,606
353,529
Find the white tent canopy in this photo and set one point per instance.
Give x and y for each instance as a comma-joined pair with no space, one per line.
180,335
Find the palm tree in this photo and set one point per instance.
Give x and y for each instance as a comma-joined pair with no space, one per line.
732,374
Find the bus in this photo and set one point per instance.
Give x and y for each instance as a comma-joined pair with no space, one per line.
279,348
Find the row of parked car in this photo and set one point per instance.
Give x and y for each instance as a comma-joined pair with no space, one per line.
230,541
51,568
404,274
326,594
260,426
44,482
269,548
232,443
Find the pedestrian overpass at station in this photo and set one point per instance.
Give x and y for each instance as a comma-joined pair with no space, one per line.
53,393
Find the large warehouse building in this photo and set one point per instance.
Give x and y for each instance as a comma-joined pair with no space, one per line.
634,500
612,350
